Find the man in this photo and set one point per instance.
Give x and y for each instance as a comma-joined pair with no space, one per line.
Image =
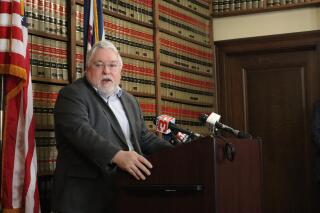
99,128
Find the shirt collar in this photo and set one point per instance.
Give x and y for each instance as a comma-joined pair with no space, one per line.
117,93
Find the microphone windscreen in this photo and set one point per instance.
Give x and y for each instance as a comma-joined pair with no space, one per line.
203,118
163,123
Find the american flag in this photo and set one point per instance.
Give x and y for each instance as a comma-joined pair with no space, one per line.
93,24
19,190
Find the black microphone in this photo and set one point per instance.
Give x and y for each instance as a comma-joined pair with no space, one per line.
164,122
214,118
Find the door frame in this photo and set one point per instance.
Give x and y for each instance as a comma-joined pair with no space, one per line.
260,45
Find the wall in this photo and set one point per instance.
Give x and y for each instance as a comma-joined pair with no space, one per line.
270,23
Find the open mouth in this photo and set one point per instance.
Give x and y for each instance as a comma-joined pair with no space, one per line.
106,80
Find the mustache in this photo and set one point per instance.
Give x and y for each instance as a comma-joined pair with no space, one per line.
106,78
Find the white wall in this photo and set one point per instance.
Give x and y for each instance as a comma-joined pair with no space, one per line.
269,23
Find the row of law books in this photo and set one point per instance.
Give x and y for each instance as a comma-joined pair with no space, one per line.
199,6
46,152
272,3
79,62
47,16
44,99
48,58
136,39
131,48
79,23
221,6
140,10
184,86
138,76
185,54
187,116
183,22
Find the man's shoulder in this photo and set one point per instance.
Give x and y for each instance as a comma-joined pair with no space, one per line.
129,99
79,85
127,95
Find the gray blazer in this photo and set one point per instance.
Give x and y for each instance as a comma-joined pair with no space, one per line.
88,136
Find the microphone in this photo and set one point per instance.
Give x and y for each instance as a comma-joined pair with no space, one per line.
214,118
165,124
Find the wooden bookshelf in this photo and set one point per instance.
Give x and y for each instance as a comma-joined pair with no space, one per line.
265,8
48,35
49,81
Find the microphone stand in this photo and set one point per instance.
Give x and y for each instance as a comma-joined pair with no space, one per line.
214,131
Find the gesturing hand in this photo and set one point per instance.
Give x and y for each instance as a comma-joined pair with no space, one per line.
133,163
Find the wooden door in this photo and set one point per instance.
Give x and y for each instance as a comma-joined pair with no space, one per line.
267,86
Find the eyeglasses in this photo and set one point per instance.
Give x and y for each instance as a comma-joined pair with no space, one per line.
113,66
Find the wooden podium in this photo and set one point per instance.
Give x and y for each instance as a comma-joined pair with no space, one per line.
208,175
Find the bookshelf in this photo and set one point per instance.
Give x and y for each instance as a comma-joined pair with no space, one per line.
167,49
222,8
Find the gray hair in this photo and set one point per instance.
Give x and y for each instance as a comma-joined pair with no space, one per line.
104,44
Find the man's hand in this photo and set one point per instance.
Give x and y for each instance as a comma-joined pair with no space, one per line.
133,163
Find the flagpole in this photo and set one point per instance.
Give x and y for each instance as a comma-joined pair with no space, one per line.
2,95
2,92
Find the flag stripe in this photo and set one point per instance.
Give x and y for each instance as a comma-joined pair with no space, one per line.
16,34
7,20
10,7
15,46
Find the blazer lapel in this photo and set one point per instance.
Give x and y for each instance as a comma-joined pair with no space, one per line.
130,116
114,123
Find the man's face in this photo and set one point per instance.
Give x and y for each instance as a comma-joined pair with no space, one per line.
104,71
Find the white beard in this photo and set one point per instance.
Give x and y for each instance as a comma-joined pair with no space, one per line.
107,91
